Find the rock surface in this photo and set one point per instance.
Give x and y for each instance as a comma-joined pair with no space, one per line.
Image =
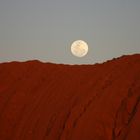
44,101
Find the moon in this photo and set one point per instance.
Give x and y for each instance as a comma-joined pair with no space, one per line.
79,48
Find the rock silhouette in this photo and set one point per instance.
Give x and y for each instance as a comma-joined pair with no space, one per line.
44,101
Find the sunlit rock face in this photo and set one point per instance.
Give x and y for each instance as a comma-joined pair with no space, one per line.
44,101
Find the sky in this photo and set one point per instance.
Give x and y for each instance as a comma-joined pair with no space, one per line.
45,29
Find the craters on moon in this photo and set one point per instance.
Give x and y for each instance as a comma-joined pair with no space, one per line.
79,48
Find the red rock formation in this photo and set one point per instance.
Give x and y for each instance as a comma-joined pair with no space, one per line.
44,101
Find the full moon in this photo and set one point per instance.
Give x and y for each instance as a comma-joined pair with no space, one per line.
79,48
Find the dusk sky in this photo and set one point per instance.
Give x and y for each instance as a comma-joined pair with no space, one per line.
45,29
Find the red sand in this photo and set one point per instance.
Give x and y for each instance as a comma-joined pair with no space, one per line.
44,101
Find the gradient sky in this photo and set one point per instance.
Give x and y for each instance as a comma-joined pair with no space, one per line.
45,29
